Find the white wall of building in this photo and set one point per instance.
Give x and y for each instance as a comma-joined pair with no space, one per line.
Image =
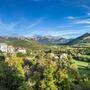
3,47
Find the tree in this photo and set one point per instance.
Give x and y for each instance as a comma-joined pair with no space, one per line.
10,78
48,83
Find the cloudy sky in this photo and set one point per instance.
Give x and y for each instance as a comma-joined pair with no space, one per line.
68,18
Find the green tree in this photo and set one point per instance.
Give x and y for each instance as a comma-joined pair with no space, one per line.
10,78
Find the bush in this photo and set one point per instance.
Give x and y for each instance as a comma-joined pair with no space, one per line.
85,58
20,54
10,78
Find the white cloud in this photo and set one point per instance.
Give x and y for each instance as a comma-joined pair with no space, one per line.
86,7
7,26
79,20
19,27
70,17
34,24
85,21
88,13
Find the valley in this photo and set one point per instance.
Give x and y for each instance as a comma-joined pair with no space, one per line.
37,66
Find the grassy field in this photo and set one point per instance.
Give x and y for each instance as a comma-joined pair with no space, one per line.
83,67
82,64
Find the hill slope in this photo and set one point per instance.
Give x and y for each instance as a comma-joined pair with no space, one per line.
82,40
18,42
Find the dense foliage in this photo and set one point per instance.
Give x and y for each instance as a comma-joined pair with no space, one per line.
51,68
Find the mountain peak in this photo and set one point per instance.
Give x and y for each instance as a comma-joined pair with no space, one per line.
86,34
84,39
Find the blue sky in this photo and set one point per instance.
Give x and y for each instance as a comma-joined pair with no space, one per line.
68,18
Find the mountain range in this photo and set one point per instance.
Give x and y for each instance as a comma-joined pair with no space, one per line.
38,40
81,40
51,39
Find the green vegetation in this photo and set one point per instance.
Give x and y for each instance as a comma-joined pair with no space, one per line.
26,43
82,64
45,67
83,40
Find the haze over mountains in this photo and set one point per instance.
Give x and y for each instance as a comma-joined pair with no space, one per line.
48,39
37,39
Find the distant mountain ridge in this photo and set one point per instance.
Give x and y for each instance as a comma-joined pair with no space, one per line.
37,40
82,40
51,39
20,42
